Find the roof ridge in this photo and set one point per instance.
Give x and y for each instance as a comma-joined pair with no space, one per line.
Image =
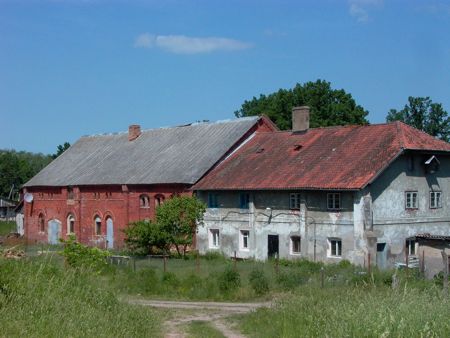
192,124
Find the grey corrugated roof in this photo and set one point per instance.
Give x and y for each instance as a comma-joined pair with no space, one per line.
166,155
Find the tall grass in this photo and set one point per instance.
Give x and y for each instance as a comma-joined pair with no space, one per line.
349,311
6,227
41,299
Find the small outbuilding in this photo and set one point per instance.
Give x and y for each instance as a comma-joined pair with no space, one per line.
430,252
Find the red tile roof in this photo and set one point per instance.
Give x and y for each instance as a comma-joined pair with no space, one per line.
346,157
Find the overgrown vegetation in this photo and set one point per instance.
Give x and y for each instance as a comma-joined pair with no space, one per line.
174,226
312,298
345,311
78,255
6,227
38,298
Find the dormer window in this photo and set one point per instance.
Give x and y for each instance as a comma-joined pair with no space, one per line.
69,193
432,165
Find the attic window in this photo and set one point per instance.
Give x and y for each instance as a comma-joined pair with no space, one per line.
297,147
432,165
260,150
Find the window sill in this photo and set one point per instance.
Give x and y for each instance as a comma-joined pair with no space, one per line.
244,249
295,253
214,247
334,257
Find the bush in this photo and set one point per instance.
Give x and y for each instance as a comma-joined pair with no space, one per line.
78,255
170,279
229,280
259,282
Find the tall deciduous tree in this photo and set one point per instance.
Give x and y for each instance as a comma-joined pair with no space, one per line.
423,114
329,106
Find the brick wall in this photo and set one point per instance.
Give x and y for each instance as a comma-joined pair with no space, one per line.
120,203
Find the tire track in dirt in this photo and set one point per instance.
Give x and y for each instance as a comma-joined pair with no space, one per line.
216,314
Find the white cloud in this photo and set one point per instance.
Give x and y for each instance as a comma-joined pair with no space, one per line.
181,44
359,9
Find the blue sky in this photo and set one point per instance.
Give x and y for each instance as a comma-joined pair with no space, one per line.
75,67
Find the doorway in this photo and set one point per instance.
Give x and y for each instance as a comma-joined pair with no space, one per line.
381,255
272,246
54,231
110,233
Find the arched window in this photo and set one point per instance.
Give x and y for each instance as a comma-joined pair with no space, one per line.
159,199
70,224
98,225
41,223
144,201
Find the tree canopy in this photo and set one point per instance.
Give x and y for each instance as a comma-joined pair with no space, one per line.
174,226
60,149
423,114
16,168
329,106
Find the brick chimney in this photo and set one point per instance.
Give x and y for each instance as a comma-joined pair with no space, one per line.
300,118
133,132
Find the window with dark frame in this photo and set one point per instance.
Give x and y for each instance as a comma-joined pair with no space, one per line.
435,199
244,200
159,199
334,201
295,245
70,194
41,223
213,200
411,201
294,201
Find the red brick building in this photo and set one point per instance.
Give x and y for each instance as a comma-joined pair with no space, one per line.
104,182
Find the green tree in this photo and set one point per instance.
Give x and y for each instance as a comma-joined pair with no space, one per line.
178,217
423,114
329,106
145,237
60,149
174,226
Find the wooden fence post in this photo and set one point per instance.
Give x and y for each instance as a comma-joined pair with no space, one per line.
165,263
322,277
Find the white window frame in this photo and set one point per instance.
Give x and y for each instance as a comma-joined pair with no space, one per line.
337,243
214,238
294,201
244,240
411,246
336,201
299,245
435,199
411,200
70,219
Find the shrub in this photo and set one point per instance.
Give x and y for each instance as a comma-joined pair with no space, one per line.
170,279
259,282
229,280
78,255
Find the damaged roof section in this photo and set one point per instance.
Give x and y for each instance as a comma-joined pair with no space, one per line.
344,158
158,156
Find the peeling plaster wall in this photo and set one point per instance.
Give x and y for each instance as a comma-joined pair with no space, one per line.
392,222
373,215
313,223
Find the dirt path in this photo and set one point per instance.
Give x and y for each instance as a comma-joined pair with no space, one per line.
213,312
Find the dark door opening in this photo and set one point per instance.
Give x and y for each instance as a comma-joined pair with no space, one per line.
381,255
272,246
